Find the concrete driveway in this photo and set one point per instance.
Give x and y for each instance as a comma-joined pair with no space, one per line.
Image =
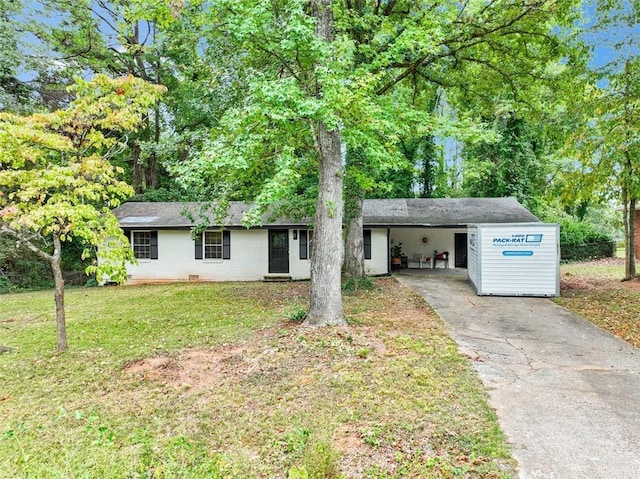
566,393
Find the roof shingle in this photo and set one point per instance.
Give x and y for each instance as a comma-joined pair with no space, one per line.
435,212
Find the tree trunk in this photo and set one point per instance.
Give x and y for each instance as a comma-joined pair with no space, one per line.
151,171
326,258
630,263
137,168
356,165
59,294
325,305
56,267
630,185
354,244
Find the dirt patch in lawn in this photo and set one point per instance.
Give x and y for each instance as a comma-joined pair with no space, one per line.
595,291
193,369
387,396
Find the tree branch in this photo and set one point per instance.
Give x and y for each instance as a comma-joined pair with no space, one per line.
24,241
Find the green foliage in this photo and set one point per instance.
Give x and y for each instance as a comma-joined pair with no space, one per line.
510,166
321,462
55,174
601,154
298,473
20,270
589,251
265,147
581,239
14,93
351,285
296,313
297,440
574,231
175,193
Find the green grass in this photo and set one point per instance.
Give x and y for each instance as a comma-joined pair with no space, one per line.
595,291
594,271
213,381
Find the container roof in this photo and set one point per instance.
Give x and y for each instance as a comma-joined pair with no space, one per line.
435,212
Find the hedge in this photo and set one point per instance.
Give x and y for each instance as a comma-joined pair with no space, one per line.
581,252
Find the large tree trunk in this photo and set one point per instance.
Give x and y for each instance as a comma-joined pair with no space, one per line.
61,325
326,258
354,243
353,203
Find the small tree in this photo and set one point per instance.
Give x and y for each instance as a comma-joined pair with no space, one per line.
605,139
57,182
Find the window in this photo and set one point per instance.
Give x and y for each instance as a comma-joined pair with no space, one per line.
366,236
145,244
306,243
213,245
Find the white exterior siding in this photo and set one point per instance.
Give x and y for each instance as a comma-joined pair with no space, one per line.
176,259
472,256
249,259
515,259
379,262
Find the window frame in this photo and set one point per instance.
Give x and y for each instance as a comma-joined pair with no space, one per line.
367,243
151,247
200,245
306,244
210,247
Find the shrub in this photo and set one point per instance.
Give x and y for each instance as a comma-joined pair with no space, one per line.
582,252
296,313
351,285
574,232
321,462
581,239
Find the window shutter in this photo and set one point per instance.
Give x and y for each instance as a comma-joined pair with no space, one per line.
366,236
226,244
198,246
303,244
154,244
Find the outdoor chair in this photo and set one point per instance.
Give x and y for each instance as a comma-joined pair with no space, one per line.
443,257
418,261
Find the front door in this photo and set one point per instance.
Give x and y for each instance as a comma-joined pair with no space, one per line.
278,251
460,240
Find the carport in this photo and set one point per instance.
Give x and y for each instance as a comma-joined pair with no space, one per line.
425,228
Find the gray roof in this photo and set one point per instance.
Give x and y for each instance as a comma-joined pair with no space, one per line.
444,212
185,215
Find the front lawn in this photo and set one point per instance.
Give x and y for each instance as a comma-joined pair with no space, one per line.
213,381
593,290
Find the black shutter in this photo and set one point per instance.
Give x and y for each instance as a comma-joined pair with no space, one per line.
226,244
303,244
154,244
366,236
198,243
